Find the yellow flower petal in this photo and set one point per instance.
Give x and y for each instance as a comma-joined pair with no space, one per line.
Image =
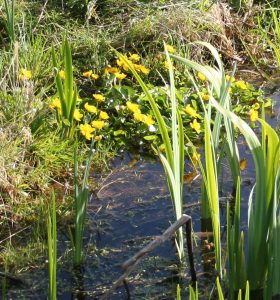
254,115
103,115
120,76
86,131
191,111
170,49
25,74
94,76
98,97
196,126
241,84
87,74
77,115
133,107
134,57
61,74
90,108
98,124
201,76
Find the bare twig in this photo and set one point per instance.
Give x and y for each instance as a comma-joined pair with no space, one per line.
131,263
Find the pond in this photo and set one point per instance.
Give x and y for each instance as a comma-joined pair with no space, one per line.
131,207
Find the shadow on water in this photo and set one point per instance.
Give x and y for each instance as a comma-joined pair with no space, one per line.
132,206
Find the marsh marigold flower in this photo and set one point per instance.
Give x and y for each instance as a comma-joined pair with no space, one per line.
205,97
170,49
90,108
138,116
87,74
98,124
228,78
254,115
103,115
24,74
191,111
94,76
120,76
77,115
86,131
110,70
134,57
201,76
98,97
195,158
148,120
133,107
61,74
196,126
56,104
121,63
241,84
141,68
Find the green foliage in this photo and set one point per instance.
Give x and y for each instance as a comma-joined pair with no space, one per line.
81,200
173,162
10,18
67,90
52,248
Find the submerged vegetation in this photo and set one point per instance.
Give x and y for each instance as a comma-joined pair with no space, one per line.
83,81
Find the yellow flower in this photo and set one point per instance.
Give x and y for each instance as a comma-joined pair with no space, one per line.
134,57
94,76
144,70
90,108
121,63
205,97
196,126
141,68
148,120
86,131
256,106
98,138
170,49
87,74
138,116
195,158
24,74
254,115
98,97
98,124
120,76
241,84
166,66
228,78
103,115
133,107
77,115
61,74
111,70
201,76
191,111
55,103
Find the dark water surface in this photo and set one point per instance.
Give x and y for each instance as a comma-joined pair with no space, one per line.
132,206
